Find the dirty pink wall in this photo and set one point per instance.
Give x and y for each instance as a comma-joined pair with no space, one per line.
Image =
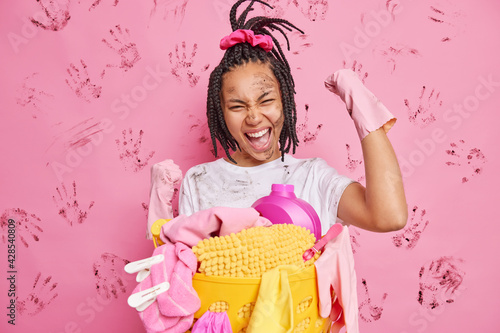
93,93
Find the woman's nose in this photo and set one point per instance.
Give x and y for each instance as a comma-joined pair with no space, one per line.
253,116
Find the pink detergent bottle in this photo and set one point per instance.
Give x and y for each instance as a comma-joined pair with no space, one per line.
282,206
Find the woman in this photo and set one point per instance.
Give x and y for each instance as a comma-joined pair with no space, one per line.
251,113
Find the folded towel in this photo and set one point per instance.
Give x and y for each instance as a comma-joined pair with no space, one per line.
173,311
178,269
216,221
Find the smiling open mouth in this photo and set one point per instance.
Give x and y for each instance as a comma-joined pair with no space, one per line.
259,140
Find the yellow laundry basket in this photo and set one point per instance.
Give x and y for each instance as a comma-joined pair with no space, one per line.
239,296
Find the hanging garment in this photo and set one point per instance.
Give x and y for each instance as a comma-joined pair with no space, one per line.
273,311
335,269
212,322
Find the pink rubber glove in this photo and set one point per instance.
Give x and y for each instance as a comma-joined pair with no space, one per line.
367,112
165,178
335,269
213,322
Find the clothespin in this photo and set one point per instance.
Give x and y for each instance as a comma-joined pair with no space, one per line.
142,266
141,300
333,232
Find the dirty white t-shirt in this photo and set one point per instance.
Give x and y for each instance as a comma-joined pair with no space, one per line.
220,183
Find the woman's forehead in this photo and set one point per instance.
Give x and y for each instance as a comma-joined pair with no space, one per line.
250,77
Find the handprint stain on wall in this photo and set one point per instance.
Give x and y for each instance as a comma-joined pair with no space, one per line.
409,236
145,207
98,2
182,64
439,12
124,47
79,140
27,225
422,114
392,6
130,148
472,159
299,42
312,9
43,293
79,82
439,282
391,53
31,97
56,17
279,8
354,165
108,273
175,9
370,311
68,206
354,240
86,135
357,68
444,13
200,126
306,136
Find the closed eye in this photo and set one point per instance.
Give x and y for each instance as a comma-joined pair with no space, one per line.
268,101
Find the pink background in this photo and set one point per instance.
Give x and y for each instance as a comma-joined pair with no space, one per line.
64,124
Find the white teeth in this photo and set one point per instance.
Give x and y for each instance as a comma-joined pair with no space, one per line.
258,134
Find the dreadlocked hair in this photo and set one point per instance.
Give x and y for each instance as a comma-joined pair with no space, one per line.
242,53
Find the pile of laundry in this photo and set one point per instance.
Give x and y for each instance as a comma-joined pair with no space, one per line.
166,300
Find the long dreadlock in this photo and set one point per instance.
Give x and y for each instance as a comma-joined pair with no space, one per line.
242,53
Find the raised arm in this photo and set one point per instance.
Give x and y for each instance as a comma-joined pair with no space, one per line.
381,206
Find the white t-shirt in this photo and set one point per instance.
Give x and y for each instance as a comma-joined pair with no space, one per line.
220,183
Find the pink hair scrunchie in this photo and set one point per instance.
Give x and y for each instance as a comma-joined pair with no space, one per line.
242,35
